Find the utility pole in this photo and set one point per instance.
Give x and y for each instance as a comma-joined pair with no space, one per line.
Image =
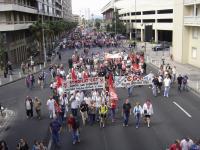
135,24
130,25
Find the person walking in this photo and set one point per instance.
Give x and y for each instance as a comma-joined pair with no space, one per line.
179,81
155,84
113,107
29,107
174,74
23,68
103,110
22,145
73,126
92,113
148,112
126,111
185,83
37,106
175,145
186,143
55,129
3,145
137,111
74,107
167,84
84,111
51,107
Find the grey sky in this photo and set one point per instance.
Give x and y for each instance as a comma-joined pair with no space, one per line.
94,5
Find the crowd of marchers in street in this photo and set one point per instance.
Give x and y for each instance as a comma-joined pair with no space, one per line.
78,108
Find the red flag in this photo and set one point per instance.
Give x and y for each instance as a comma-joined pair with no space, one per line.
57,108
74,77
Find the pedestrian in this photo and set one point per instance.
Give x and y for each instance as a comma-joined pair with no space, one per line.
73,126
167,84
36,145
28,81
155,83
55,129
175,145
42,146
137,111
74,107
37,105
51,107
92,112
126,111
41,80
179,81
195,145
22,145
113,107
3,145
103,110
64,105
84,111
29,107
148,112
173,74
185,83
23,67
186,143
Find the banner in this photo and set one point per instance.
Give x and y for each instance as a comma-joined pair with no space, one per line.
128,81
85,84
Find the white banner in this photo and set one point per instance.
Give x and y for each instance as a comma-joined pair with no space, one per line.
128,81
85,84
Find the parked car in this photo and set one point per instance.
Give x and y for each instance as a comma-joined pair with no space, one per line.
161,46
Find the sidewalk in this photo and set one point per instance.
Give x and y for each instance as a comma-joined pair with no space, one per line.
155,59
18,75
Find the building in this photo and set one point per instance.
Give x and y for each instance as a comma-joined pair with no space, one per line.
17,15
186,37
108,11
77,19
138,14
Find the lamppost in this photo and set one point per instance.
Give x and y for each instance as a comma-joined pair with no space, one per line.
130,34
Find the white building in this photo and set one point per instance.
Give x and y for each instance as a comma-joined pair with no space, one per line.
140,13
186,37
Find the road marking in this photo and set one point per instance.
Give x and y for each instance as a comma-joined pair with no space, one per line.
49,145
182,109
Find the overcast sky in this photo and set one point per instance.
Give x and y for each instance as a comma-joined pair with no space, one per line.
94,6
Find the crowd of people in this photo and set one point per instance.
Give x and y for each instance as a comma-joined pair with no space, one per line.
73,108
185,144
166,77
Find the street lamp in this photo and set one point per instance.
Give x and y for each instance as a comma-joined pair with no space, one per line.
130,34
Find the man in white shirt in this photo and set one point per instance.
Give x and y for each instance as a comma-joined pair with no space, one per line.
167,84
51,107
74,107
186,144
174,74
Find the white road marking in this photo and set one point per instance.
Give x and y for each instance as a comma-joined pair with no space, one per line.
182,109
49,145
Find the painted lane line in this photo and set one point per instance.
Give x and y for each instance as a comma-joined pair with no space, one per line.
50,144
182,109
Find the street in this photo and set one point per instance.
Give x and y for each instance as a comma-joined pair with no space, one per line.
174,117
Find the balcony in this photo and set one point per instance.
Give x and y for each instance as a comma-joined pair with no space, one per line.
15,25
14,6
191,2
192,21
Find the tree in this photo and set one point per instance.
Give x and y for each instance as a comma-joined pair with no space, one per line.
98,23
2,52
116,24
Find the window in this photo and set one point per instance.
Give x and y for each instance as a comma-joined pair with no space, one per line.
194,52
148,12
165,11
195,33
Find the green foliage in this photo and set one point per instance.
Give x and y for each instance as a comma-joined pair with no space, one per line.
98,23
2,50
116,24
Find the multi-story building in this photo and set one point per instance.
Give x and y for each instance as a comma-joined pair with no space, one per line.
77,19
186,37
108,11
17,15
140,13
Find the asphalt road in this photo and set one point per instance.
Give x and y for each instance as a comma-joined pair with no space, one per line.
168,122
